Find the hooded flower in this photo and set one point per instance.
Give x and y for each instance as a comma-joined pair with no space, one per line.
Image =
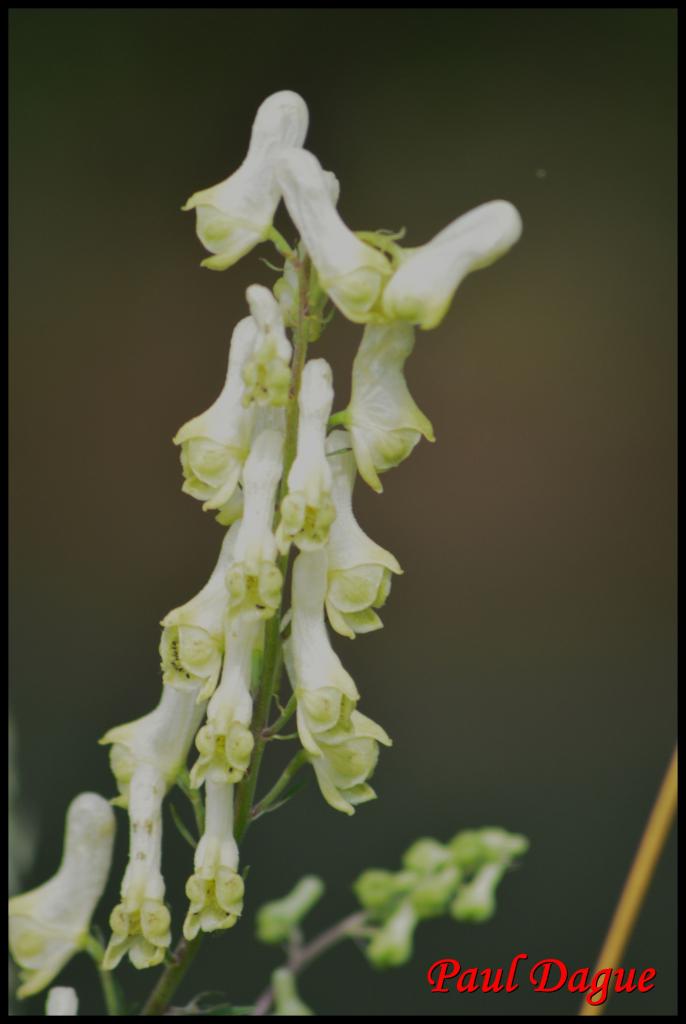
359,574
350,271
225,742
307,511
192,641
215,889
146,758
215,444
235,215
254,580
160,739
383,419
48,925
267,373
342,744
141,922
62,1002
423,286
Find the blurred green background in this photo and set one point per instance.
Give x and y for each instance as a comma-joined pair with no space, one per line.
527,667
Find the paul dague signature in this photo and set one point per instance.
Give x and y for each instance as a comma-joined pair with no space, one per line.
545,976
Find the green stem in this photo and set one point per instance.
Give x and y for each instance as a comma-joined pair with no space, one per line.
339,419
289,772
272,644
301,957
171,978
280,243
109,986
285,716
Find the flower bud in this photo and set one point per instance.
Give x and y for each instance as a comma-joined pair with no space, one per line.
426,855
48,925
384,421
391,945
278,919
475,901
378,890
235,215
432,893
287,1002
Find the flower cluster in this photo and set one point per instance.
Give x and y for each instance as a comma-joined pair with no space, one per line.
459,878
264,457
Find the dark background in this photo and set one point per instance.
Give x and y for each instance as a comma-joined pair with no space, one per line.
527,667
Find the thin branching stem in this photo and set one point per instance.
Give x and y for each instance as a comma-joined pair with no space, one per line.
300,957
290,771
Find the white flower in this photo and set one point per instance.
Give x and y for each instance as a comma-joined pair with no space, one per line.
62,1002
342,744
254,580
215,889
225,742
384,421
267,373
141,922
359,571
423,286
192,641
352,272
215,444
48,925
307,511
235,215
160,739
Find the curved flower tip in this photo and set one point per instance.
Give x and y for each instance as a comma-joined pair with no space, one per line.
267,374
350,271
384,420
215,444
235,215
423,287
62,1002
359,571
307,511
192,643
254,580
215,889
48,925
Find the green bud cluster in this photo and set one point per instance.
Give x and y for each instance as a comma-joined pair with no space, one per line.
459,878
